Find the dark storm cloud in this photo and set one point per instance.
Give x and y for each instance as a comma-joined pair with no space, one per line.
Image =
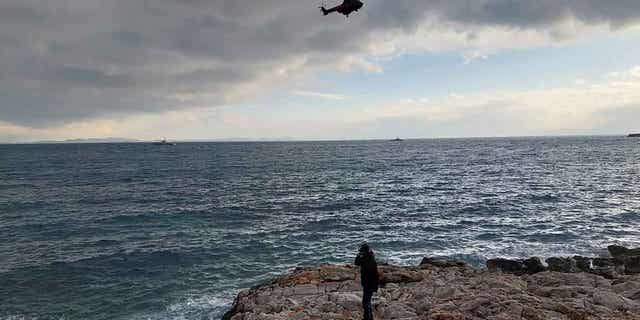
512,13
89,77
63,60
18,13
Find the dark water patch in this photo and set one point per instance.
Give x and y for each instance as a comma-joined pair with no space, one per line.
106,243
95,283
488,236
22,206
159,219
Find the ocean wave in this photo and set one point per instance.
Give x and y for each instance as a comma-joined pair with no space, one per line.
205,306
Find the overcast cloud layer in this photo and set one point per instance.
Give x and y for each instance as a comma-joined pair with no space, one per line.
68,60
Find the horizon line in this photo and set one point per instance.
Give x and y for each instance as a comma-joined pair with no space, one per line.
290,139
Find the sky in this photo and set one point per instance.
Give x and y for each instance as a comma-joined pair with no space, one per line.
279,69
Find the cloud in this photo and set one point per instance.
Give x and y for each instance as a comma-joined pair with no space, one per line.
311,94
610,105
598,107
64,61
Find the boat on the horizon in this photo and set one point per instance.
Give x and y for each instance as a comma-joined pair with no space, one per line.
397,140
634,135
163,142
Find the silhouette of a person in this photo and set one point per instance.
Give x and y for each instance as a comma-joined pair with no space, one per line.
368,278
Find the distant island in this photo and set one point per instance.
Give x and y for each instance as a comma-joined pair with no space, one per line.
129,140
89,140
634,135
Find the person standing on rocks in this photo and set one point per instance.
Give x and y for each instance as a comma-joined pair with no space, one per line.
368,278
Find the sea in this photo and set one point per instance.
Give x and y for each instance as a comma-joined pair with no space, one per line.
140,231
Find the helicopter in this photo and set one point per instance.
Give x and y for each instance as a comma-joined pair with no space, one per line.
346,8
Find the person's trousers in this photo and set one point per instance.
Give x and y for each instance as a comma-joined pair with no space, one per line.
367,294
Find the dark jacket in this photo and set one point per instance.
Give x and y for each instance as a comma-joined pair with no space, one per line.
368,270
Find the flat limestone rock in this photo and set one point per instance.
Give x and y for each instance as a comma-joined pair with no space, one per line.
441,290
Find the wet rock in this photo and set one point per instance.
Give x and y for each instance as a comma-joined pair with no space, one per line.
518,267
443,262
603,263
566,265
505,265
583,263
533,265
632,264
629,258
620,251
606,267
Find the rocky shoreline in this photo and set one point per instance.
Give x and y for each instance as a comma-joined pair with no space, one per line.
572,288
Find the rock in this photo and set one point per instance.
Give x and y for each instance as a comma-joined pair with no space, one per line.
620,251
305,290
583,263
617,251
518,267
348,301
566,265
448,290
607,267
531,314
443,315
632,264
513,311
613,301
444,292
443,262
533,265
331,316
473,305
233,313
628,289
629,258
396,311
392,274
603,263
505,265
299,315
334,273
